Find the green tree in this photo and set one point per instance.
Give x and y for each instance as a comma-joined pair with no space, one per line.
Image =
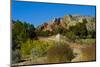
21,31
43,33
80,29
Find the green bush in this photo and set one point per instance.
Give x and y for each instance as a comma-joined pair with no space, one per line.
71,35
35,48
43,33
86,41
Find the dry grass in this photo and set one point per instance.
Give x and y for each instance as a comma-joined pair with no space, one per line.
60,53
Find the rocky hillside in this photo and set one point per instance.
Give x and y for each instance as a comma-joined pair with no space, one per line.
66,21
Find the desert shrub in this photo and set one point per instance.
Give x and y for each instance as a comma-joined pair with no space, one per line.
35,48
71,35
92,34
60,53
91,29
86,41
58,29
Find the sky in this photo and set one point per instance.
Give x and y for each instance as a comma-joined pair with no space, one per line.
37,13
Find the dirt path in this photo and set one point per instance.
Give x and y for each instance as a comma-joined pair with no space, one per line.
84,52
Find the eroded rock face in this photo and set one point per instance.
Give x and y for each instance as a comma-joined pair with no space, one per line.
67,21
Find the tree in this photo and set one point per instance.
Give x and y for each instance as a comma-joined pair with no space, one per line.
43,33
58,29
21,31
80,29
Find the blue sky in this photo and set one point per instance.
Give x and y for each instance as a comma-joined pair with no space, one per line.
38,13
